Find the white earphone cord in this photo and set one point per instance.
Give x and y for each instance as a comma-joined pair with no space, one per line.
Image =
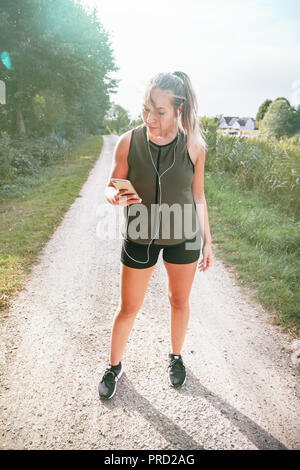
160,192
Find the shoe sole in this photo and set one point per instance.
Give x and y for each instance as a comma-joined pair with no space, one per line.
115,389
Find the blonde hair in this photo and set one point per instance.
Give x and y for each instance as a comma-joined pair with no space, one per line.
179,86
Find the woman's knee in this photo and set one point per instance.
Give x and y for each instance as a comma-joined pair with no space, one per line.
128,310
178,301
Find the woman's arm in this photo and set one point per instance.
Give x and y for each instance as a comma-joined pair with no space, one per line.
119,169
202,212
119,166
199,196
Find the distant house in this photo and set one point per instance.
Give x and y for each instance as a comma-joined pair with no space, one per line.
237,123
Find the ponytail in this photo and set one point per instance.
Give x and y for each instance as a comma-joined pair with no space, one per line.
189,115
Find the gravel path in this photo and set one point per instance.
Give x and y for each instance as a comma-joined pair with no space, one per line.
242,391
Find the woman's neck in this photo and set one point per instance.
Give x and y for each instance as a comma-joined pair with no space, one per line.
164,138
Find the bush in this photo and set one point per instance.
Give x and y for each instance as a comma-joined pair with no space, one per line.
256,164
295,139
25,156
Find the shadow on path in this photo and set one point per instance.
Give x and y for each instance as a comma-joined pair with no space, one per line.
129,398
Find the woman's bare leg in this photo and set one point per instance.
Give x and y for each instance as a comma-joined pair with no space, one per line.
180,277
134,284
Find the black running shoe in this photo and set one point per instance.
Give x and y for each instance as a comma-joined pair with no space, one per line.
108,385
177,373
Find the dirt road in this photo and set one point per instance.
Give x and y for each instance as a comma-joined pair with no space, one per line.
242,391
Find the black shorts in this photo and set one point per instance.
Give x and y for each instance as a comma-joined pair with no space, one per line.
148,255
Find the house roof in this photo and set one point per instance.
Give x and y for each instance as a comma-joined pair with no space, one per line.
230,120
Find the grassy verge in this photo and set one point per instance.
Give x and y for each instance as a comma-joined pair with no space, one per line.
33,208
262,244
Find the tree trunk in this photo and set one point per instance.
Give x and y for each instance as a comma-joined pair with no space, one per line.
20,120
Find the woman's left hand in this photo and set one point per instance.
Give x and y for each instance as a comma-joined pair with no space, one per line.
207,257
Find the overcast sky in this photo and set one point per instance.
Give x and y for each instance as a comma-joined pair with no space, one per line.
236,52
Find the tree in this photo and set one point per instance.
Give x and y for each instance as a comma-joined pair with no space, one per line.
55,45
295,123
117,120
136,122
261,112
49,108
278,121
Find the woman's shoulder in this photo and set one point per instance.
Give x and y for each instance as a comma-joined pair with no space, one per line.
196,153
126,136
125,141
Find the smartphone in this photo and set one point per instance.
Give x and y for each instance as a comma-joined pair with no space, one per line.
120,183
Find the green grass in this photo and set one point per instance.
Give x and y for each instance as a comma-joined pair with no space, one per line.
260,242
32,209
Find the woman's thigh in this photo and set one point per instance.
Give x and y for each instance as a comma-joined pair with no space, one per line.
184,253
139,256
180,281
134,284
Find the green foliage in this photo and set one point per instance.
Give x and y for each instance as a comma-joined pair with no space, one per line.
116,120
49,107
26,156
279,121
261,112
211,124
260,240
294,140
265,165
136,122
61,59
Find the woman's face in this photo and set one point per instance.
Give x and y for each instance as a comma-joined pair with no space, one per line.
160,119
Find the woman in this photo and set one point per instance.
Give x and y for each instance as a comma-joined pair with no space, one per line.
164,160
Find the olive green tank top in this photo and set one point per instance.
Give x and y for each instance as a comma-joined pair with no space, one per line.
178,220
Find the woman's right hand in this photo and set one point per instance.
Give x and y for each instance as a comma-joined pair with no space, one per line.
121,197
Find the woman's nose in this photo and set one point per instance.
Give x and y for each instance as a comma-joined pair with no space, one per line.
150,118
